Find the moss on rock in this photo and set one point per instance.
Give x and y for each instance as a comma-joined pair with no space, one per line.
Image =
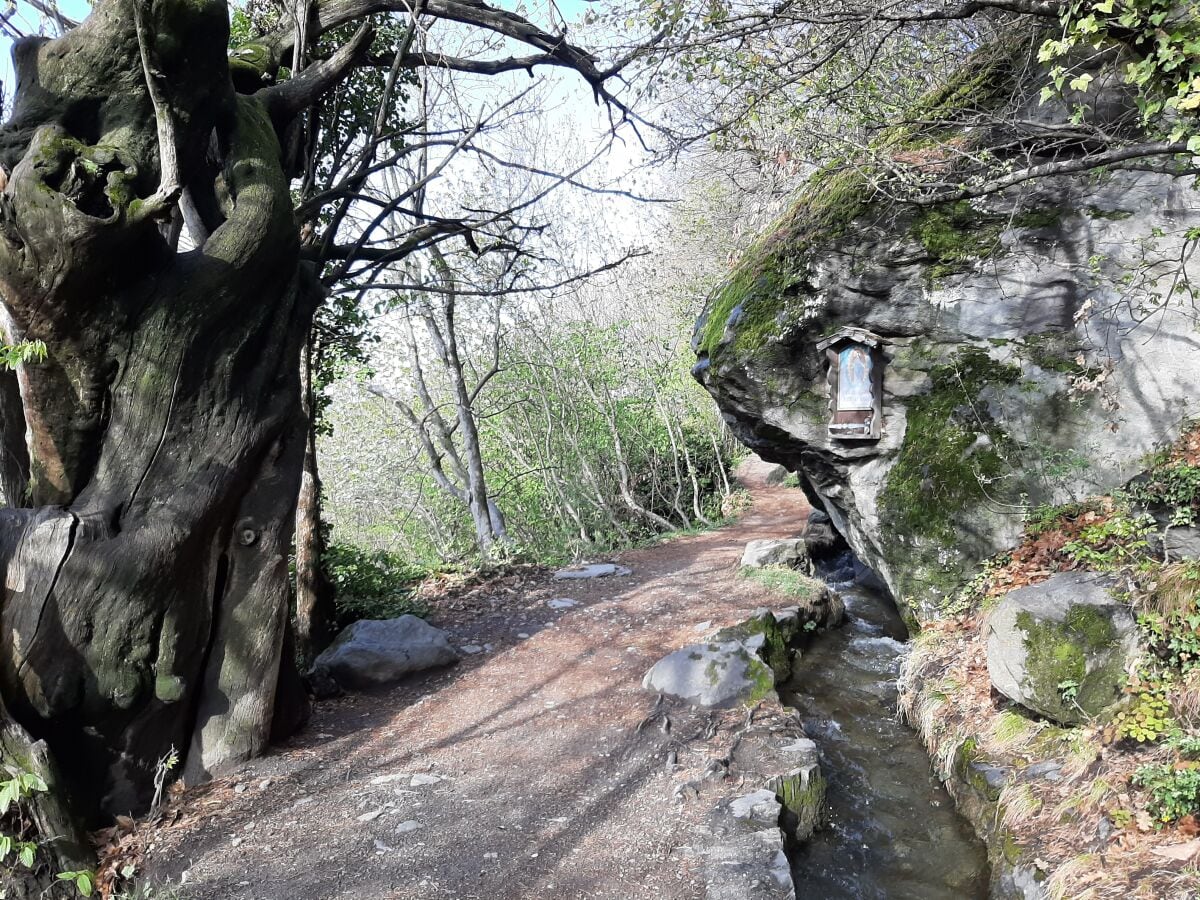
766,289
1057,662
951,449
802,794
773,649
955,234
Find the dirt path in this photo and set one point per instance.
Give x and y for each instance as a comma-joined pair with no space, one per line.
536,781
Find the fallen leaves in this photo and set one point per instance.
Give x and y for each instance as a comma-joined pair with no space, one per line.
1180,852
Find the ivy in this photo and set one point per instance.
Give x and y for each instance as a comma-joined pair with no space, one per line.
1161,39
16,788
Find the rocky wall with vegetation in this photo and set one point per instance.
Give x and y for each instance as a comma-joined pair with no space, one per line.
1036,344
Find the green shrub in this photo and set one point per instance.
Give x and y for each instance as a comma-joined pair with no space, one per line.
1174,790
371,584
1174,638
1111,543
1175,486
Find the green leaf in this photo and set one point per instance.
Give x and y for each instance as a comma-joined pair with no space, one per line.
10,793
26,855
1081,82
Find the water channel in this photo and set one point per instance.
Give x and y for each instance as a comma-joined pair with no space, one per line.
893,830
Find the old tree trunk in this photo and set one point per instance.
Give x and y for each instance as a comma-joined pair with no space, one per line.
146,578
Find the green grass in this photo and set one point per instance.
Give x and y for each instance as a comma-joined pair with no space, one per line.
782,580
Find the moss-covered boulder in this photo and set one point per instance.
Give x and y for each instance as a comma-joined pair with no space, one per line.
1029,354
713,674
1061,648
740,664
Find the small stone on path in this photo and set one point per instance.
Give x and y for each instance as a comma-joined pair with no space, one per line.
388,779
422,780
596,570
407,826
562,603
471,649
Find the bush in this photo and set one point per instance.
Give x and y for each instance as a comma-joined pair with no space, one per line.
371,584
1174,789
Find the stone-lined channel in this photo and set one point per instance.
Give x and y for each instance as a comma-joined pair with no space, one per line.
893,831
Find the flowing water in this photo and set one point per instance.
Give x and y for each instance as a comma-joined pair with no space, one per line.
893,831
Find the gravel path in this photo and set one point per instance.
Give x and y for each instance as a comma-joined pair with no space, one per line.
519,773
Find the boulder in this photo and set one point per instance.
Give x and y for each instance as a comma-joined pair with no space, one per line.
767,637
713,674
821,541
1061,648
374,652
776,475
789,552
1004,386
744,662
1177,542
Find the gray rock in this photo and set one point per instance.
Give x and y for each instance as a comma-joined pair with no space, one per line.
596,570
1177,542
761,806
562,603
789,552
821,541
747,864
375,652
991,779
718,673
407,826
776,475
1061,648
1050,770
1015,325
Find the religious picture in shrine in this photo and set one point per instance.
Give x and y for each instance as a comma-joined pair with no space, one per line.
854,362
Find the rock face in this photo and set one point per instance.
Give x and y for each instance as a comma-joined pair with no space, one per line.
1020,367
790,552
821,542
369,653
1060,648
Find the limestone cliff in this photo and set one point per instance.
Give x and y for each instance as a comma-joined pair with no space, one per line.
1032,353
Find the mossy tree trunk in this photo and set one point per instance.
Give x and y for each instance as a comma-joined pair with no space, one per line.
146,586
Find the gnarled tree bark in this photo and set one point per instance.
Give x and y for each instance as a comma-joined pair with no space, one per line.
145,600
